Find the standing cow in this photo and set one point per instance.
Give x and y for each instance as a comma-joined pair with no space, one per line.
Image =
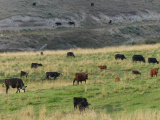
79,77
154,72
52,74
153,60
70,54
35,65
120,56
77,102
14,83
138,58
23,74
103,67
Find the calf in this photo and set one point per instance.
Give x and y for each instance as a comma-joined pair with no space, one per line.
71,23
103,67
77,100
52,74
41,53
153,60
23,74
14,83
117,79
120,56
70,54
79,77
135,72
154,72
35,65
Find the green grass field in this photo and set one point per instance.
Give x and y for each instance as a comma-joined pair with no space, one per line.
134,97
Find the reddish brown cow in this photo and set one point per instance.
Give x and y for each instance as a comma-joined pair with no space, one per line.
135,72
154,72
117,79
79,77
102,67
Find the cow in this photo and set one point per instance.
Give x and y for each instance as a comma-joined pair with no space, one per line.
35,65
23,74
71,23
117,79
154,72
103,67
82,105
110,22
58,23
79,77
52,74
34,4
41,53
70,54
77,100
138,58
153,60
120,56
14,83
136,72
92,4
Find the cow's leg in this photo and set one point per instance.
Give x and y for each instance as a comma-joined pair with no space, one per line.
85,81
18,90
54,77
78,82
7,89
81,82
73,82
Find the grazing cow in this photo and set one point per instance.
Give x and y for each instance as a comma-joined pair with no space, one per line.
120,56
117,79
153,60
35,65
41,53
138,58
34,4
82,105
71,23
14,83
154,72
110,21
52,74
92,4
135,72
70,54
24,74
103,67
79,77
77,100
58,23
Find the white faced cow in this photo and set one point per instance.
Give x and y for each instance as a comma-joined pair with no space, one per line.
15,83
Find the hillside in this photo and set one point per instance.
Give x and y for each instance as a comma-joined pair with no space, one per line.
24,27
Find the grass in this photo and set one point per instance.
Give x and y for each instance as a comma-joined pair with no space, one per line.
53,99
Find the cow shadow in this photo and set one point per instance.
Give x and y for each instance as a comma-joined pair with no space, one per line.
112,108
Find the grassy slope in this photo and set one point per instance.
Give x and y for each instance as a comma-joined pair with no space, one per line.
131,94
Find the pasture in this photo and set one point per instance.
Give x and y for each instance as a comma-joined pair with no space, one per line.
134,97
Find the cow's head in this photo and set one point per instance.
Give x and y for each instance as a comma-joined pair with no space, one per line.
157,62
61,74
40,64
86,76
156,69
23,88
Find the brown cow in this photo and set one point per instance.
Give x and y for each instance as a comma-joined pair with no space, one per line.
135,72
154,72
102,67
117,79
79,77
14,83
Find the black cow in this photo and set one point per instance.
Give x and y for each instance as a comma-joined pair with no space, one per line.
52,74
58,23
110,21
120,56
41,53
138,58
34,4
70,54
92,4
71,23
23,74
153,60
14,83
82,105
77,100
35,65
